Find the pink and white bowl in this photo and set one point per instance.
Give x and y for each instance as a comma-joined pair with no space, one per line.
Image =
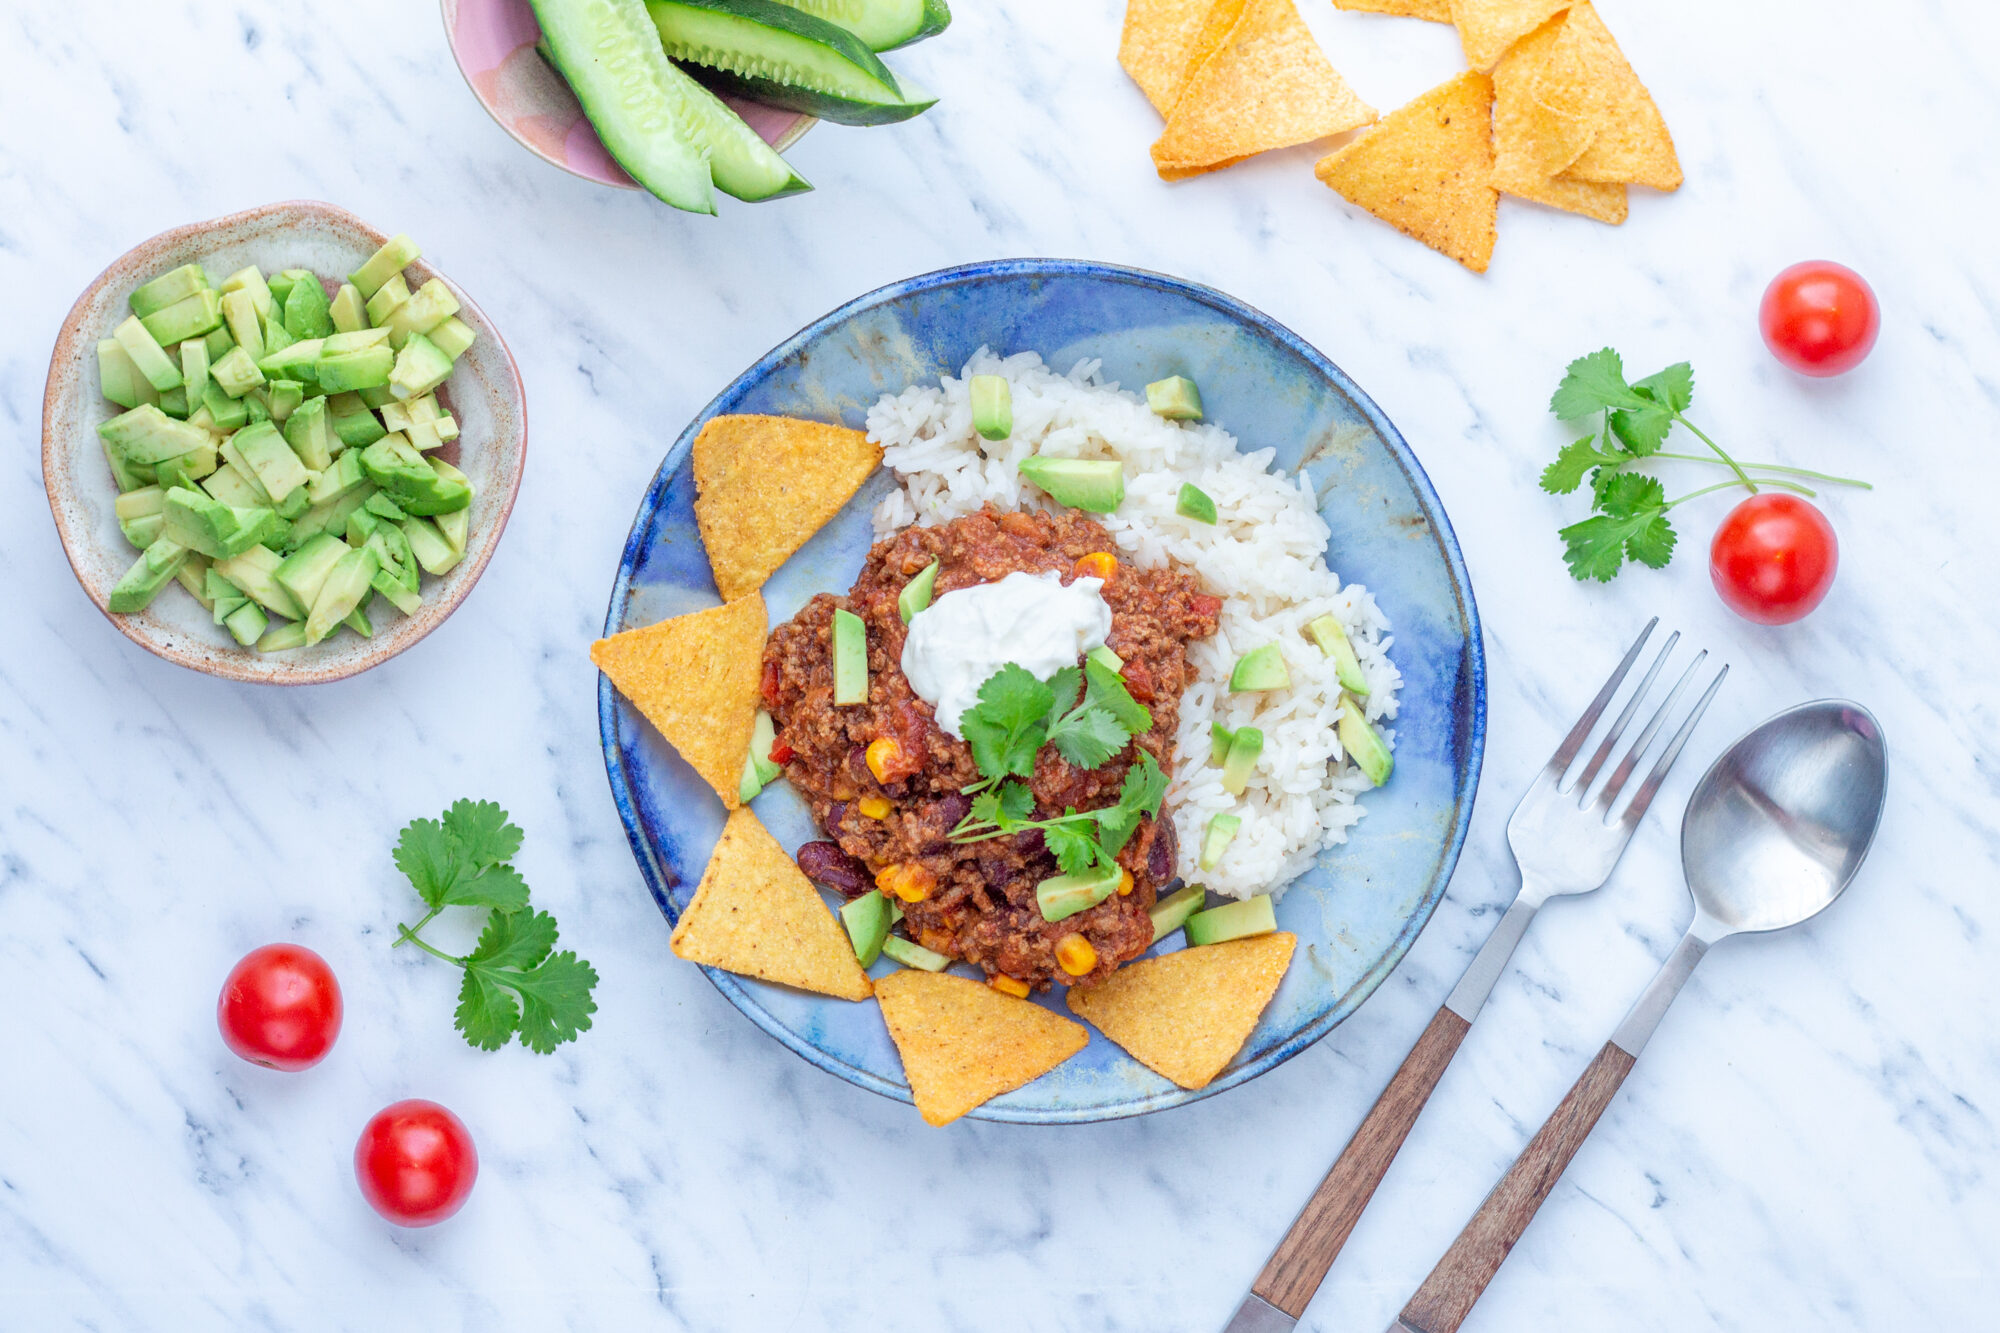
484,393
494,44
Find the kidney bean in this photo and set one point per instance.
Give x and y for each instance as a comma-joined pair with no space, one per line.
1164,852
825,863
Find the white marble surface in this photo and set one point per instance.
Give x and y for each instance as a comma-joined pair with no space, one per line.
1809,1143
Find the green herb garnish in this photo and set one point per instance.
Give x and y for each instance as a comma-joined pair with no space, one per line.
515,982
1629,509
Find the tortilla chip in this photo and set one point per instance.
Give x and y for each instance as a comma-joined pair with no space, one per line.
1486,28
1427,169
1632,144
695,677
1185,1015
1165,40
755,913
765,485
1524,125
964,1043
1267,86
1437,11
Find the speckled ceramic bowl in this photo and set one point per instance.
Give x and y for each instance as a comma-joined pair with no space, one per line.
484,393
1357,910
494,44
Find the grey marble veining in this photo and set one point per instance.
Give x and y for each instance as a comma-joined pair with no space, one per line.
1810,1141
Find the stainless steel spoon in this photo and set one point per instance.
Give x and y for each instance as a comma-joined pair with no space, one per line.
1774,831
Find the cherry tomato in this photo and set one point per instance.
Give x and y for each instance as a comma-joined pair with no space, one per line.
415,1163
1819,318
1773,558
280,1007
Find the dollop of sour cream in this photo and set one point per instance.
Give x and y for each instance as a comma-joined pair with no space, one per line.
1032,620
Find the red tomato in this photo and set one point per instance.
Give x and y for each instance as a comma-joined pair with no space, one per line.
280,1007
1773,558
415,1163
1819,318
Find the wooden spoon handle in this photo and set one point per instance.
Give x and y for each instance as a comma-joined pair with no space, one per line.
1302,1258
1447,1295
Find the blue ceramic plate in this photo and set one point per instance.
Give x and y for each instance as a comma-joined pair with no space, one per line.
1358,909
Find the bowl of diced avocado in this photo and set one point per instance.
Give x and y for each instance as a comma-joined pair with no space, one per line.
280,446
685,98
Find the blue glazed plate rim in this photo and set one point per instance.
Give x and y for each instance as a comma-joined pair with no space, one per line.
659,879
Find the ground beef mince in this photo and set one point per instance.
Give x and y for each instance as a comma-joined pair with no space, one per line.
981,905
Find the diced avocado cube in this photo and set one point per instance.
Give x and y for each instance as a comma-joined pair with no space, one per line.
155,366
286,395
1176,398
250,281
281,285
347,584
867,921
911,954
144,531
420,367
1194,503
1171,912
202,523
1233,921
276,339
1215,839
1065,895
346,475
194,369
222,595
749,787
398,416
763,735
256,406
916,594
432,551
309,430
1096,485
330,516
174,402
423,436
193,575
153,570
1107,659
305,570
232,486
411,480
349,312
992,406
392,552
308,312
227,413
1364,744
283,638
218,342
357,619
168,289
365,369
236,374
382,506
203,418
1219,741
146,501
453,337
1244,749
266,456
446,427
1260,669
117,377
429,306
353,422
361,340
246,623
455,526
850,659
192,318
376,396
425,408
127,476
239,311
187,469
400,597
255,572
299,361
390,297
396,254
1331,637
146,435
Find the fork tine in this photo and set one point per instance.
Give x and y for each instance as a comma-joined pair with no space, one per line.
1644,796
1616,782
1604,747
1566,752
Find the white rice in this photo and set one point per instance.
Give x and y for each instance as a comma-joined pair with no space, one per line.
1266,559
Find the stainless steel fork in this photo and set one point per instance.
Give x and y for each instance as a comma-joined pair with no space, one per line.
1566,836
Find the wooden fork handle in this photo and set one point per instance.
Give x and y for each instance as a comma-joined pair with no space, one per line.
1302,1258
1447,1295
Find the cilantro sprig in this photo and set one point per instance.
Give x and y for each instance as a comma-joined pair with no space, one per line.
516,984
1632,421
1015,717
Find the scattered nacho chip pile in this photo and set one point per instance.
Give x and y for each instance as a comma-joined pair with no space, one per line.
1549,110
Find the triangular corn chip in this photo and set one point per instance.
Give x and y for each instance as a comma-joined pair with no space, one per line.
1486,28
765,485
964,1043
755,913
1427,169
1166,40
1437,11
1528,131
695,677
1267,86
1185,1015
1632,144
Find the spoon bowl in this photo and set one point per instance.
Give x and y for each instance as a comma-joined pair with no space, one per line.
1779,824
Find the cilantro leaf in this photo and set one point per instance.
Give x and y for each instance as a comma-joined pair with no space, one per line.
487,1014
514,940
458,861
1653,544
1145,787
482,833
514,983
1633,522
1576,460
495,886
1107,691
1642,429
1672,388
1088,737
1628,494
1064,686
555,1001
1071,845
426,854
1594,383
1008,725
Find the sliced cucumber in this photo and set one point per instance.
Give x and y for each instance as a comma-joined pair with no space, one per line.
744,166
642,107
783,57
883,24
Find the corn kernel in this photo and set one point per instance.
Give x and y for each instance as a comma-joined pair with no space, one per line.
1075,954
1098,565
912,883
1007,985
882,752
875,807
1124,881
